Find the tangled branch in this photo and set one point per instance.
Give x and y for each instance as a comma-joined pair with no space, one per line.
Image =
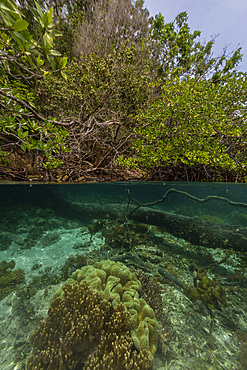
32,110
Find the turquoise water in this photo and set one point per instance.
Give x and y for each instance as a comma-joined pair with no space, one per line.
185,244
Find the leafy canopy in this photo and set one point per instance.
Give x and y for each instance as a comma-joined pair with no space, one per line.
193,122
199,117
180,53
26,56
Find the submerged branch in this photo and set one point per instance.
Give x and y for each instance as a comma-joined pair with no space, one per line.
200,200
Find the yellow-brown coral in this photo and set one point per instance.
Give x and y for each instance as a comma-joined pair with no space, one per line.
210,218
114,281
84,331
207,290
119,355
9,279
152,293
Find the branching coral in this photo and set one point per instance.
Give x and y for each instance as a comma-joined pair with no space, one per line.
120,355
66,337
84,331
115,351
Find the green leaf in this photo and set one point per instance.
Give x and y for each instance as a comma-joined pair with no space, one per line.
55,53
18,36
40,61
7,19
10,6
40,145
11,13
23,147
57,33
51,61
39,10
20,25
47,41
24,134
47,18
63,62
64,74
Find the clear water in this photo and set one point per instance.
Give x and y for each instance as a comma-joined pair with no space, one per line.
193,245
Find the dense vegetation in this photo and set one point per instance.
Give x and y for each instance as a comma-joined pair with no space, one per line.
99,88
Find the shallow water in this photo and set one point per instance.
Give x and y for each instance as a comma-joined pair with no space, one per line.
192,244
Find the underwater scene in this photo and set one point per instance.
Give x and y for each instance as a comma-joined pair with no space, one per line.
123,276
